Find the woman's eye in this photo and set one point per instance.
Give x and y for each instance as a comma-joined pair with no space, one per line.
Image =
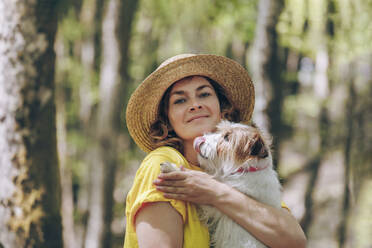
205,94
179,101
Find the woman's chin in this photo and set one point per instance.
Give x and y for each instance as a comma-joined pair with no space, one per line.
202,131
196,130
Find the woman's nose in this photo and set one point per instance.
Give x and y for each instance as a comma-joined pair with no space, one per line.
195,106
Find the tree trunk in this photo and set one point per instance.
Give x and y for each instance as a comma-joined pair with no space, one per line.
91,19
350,106
265,69
314,166
115,42
89,53
67,205
356,222
29,178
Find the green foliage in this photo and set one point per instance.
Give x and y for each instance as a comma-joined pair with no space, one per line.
71,27
165,28
306,25
292,24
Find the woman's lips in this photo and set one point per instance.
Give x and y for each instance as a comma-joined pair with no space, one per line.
197,117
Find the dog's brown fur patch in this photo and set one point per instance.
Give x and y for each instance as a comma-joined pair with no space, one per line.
246,142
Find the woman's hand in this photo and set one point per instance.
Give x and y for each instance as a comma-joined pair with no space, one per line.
189,185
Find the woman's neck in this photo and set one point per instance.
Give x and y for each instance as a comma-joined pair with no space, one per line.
190,153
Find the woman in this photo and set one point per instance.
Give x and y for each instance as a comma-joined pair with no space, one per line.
184,98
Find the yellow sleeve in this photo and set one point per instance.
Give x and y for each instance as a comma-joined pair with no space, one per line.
143,190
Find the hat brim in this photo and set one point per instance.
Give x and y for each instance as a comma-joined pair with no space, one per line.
142,109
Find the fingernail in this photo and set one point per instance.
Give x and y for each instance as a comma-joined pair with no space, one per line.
157,181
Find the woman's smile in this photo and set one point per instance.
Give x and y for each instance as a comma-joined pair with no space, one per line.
197,117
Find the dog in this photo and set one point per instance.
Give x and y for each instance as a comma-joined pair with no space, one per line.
238,155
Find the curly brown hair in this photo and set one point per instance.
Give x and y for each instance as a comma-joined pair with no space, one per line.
162,133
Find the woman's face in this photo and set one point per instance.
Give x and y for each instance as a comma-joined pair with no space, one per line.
193,108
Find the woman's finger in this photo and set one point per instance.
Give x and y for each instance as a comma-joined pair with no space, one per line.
172,183
174,190
176,175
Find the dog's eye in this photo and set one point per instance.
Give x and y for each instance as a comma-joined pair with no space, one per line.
226,137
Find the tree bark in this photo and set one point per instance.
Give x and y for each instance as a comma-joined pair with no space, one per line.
67,204
29,178
350,106
265,69
116,31
91,19
357,156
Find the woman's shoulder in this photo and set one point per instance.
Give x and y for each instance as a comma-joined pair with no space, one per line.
150,166
166,153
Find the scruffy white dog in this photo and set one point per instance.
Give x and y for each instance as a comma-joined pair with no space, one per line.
238,155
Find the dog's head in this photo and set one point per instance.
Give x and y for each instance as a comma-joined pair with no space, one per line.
235,146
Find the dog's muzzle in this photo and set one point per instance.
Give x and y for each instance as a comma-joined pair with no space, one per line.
198,141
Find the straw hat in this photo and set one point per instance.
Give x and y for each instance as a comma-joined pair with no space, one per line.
142,109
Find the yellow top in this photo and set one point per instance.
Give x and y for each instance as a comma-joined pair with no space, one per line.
195,234
143,191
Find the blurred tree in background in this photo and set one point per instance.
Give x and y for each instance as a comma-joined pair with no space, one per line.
310,60
29,178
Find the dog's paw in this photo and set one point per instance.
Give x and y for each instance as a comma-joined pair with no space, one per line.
166,167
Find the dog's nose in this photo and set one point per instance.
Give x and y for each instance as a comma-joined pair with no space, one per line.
198,141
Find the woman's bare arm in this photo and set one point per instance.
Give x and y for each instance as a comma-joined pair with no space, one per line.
276,228
159,225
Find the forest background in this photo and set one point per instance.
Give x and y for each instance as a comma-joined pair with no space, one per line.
68,68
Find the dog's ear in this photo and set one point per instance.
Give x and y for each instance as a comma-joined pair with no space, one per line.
249,147
258,148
